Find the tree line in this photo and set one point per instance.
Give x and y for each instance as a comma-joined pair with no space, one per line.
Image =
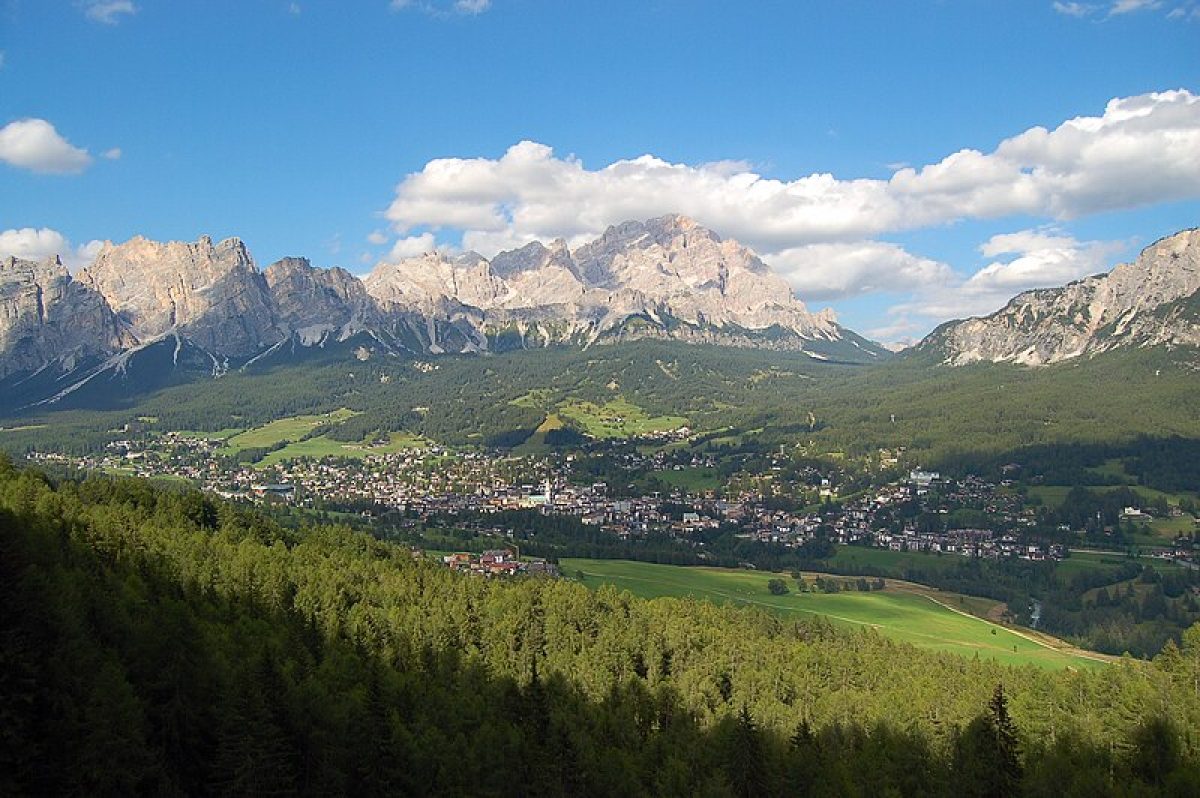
156,641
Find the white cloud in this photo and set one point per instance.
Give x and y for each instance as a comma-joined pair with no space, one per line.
1141,150
112,154
377,237
822,232
900,331
1130,6
413,246
34,144
1043,259
1073,9
839,271
29,243
109,12
294,9
1036,259
84,254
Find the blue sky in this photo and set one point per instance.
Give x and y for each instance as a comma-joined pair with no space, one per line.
314,128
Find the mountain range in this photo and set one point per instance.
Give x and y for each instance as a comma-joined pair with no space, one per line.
206,307
1154,301
662,278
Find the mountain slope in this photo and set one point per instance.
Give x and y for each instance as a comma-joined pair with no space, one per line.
1149,302
213,294
665,278
48,318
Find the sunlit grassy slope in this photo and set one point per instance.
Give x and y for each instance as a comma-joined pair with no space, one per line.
901,614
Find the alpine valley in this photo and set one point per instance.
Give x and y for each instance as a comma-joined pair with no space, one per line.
663,312
421,488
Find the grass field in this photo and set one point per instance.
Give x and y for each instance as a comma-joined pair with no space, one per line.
617,418
321,446
219,435
536,443
904,612
897,562
1093,560
894,562
292,428
23,428
690,479
1053,495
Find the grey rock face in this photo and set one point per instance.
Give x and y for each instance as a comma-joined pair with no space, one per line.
433,282
316,304
663,278
213,294
666,272
47,317
1149,302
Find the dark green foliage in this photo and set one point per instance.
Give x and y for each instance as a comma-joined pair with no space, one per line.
157,643
943,416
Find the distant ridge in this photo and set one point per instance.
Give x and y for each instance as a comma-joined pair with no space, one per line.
209,304
1154,301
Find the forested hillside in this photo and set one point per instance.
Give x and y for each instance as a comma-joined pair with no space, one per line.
939,414
157,642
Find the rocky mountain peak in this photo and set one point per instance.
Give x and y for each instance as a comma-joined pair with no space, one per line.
667,277
427,283
214,292
1140,303
317,304
46,316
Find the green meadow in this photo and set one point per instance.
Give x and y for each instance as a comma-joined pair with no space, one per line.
902,612
322,446
617,418
690,479
292,428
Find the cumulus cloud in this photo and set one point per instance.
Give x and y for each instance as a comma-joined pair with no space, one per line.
842,270
109,12
29,243
1141,150
112,154
1038,259
823,233
413,246
34,144
1020,261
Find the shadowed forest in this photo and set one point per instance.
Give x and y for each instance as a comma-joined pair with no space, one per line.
158,642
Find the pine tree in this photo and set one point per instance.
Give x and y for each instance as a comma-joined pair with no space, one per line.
1008,745
745,762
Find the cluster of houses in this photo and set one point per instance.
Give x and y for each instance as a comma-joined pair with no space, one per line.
432,481
499,563
869,521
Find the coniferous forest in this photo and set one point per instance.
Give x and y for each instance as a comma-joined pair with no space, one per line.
158,642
